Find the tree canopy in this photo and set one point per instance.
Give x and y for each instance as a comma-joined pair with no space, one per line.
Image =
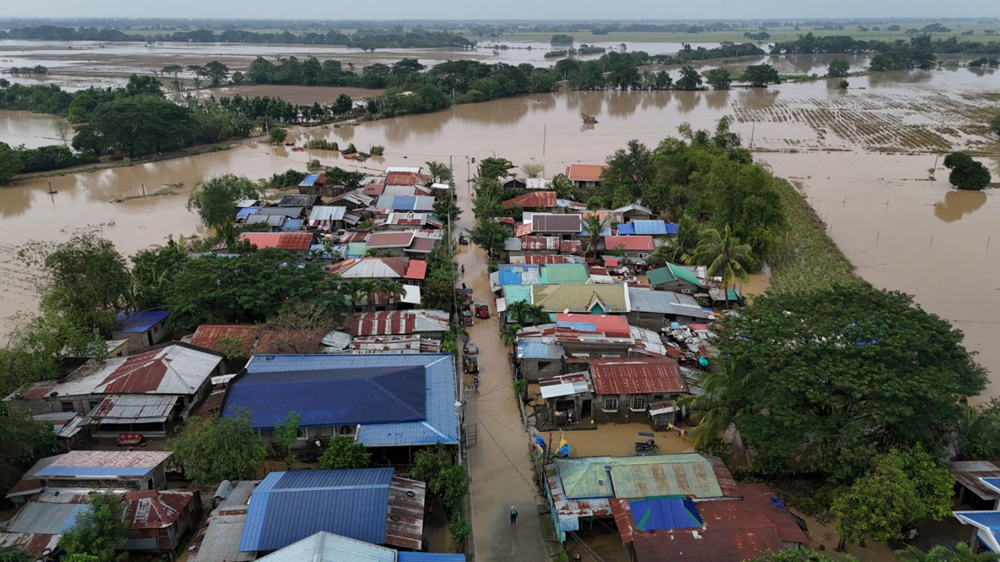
218,449
967,173
760,75
838,68
215,199
24,441
98,531
851,370
344,452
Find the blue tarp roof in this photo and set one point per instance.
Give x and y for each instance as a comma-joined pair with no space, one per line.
291,224
439,424
328,397
626,229
246,212
310,180
580,326
138,322
650,228
289,506
664,513
671,228
535,350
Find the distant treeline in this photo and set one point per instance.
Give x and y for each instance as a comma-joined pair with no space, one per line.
687,54
363,39
37,69
810,44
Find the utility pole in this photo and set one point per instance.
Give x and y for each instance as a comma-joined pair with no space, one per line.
545,130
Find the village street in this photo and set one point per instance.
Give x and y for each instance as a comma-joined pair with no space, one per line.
499,464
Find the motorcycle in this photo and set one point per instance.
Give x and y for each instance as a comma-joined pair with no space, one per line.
647,446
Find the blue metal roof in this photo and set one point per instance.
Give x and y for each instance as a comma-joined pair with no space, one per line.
989,519
650,228
992,483
403,556
289,506
510,278
605,232
626,229
246,212
328,397
291,224
404,202
95,471
440,423
310,180
665,513
138,322
671,228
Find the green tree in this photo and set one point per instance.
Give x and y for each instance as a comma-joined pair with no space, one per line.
152,271
724,255
79,557
277,135
215,199
18,556
509,335
630,168
525,313
344,452
689,80
286,433
839,68
138,125
174,69
903,489
217,449
760,75
966,173
98,531
533,169
430,466
10,163
682,246
721,400
85,280
490,235
493,168
846,366
960,552
594,226
216,72
718,78
799,555
455,483
342,104
24,441
977,435
439,172
563,187
447,209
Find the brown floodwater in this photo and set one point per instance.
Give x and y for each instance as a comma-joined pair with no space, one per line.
872,146
31,129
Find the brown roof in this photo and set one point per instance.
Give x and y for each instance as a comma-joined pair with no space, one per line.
968,473
208,336
39,390
634,243
544,258
406,178
552,222
532,200
422,244
585,172
782,520
288,341
399,322
155,509
574,247
404,525
636,375
390,239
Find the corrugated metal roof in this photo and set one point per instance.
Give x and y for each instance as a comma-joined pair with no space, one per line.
670,273
585,172
45,518
611,324
399,322
760,495
535,350
246,212
441,421
406,178
64,424
208,336
517,293
270,220
404,525
552,222
532,200
328,547
580,298
297,200
666,302
168,370
650,227
565,385
325,213
291,212
969,474
289,506
629,243
126,409
564,274
636,375
544,258
279,240
404,556
97,464
371,268
388,203
155,509
627,229
138,322
391,239
639,477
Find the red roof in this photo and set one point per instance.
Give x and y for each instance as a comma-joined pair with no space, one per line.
585,172
633,243
422,244
208,336
39,390
544,258
416,270
522,230
611,261
611,324
571,247
405,178
155,510
138,374
532,200
279,240
783,522
398,323
636,375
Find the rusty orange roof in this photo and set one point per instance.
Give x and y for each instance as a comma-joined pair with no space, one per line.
155,509
406,178
631,243
208,336
636,375
288,341
585,172
532,200
279,240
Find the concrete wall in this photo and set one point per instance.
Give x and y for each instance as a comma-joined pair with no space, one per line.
142,340
678,286
624,414
534,369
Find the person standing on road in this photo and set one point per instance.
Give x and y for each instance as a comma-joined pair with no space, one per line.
513,518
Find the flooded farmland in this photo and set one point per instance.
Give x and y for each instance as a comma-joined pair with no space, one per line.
863,157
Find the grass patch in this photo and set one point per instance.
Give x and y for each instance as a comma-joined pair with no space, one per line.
805,257
548,527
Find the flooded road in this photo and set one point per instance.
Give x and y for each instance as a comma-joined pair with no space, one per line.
869,146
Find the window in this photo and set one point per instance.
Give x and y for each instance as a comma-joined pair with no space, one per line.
302,433
610,405
543,364
638,403
658,397
66,406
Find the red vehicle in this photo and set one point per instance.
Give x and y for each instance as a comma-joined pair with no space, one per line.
482,311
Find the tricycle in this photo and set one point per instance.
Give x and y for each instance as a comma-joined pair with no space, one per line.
647,445
482,311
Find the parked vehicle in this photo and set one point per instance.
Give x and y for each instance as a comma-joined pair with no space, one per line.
647,445
471,365
463,239
465,318
471,349
482,311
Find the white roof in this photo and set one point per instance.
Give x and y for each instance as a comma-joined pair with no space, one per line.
501,305
336,340
169,370
327,547
327,213
440,186
411,169
565,385
537,183
412,295
244,203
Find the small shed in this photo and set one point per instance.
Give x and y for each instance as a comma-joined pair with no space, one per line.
158,519
674,278
569,401
141,329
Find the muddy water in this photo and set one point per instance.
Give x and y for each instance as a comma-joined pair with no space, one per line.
30,129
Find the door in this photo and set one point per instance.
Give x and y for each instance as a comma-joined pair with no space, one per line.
585,409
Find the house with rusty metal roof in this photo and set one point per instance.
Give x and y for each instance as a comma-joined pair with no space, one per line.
158,519
405,270
394,402
370,505
298,242
626,388
423,322
534,201
579,490
135,392
657,528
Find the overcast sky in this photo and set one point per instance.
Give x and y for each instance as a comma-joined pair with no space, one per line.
501,9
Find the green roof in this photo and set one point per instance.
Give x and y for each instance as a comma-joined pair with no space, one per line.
357,248
517,293
638,477
581,298
671,273
565,274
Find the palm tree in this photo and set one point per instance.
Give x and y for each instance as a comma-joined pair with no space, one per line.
724,255
355,290
594,225
438,171
509,335
682,245
961,553
523,311
717,406
389,288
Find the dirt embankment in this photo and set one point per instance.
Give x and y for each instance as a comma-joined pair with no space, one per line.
299,95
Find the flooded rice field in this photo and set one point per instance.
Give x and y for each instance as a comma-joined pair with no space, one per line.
863,157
